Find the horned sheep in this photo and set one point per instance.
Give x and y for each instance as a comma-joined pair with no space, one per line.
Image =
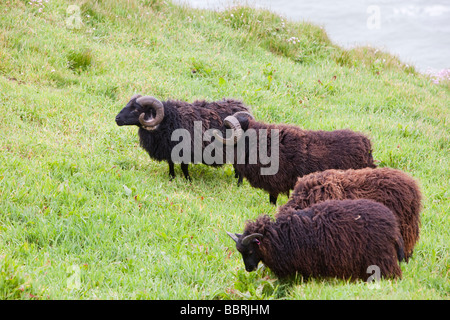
300,152
157,120
334,238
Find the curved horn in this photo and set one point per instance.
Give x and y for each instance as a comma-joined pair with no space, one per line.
246,241
151,102
234,236
245,114
232,123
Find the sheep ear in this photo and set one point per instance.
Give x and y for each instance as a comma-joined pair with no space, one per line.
135,96
234,236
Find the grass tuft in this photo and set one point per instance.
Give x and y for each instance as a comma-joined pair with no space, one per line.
79,60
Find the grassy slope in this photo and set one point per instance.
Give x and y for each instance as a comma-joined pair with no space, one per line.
79,197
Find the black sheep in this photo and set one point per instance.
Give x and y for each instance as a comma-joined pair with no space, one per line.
300,152
334,238
157,120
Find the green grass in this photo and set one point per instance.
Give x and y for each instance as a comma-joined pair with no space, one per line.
85,214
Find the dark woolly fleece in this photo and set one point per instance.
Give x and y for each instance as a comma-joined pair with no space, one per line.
393,188
303,152
180,114
335,238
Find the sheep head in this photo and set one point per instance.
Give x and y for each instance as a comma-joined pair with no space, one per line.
248,246
134,113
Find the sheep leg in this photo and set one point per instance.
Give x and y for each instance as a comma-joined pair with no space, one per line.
238,176
184,168
240,180
273,199
171,171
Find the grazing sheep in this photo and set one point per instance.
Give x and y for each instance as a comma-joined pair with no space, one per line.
334,238
299,152
393,188
158,120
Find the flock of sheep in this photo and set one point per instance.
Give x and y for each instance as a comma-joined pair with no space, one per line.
345,215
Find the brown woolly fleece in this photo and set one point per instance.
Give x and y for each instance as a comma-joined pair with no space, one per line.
334,238
391,187
302,152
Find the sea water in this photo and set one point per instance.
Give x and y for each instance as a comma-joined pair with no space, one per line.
418,32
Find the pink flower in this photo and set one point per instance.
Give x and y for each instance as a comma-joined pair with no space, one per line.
442,75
